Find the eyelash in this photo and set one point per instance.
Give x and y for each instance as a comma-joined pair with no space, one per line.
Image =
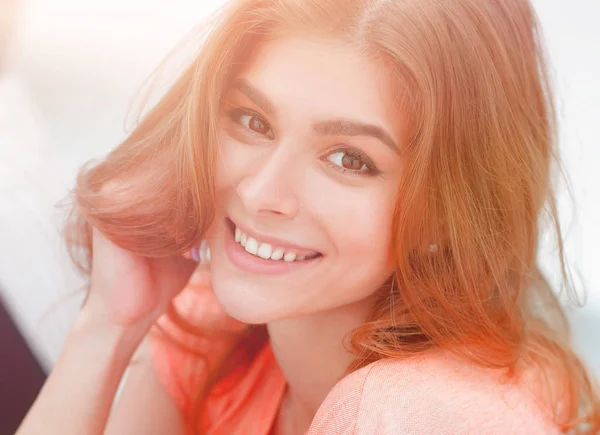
235,114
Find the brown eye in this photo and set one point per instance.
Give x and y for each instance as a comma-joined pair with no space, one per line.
258,126
345,160
352,162
255,124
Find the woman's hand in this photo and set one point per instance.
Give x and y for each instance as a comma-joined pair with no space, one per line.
127,294
131,291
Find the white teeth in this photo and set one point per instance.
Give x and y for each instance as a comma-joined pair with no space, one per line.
264,251
277,254
251,246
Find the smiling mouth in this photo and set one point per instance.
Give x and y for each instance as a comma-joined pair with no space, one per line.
267,251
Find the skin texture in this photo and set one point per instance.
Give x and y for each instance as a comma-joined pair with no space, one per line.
127,294
280,178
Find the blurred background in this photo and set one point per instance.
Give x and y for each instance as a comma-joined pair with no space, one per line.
70,71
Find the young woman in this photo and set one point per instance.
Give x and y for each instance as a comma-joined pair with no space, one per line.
370,177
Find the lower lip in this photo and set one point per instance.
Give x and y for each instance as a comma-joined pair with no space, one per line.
253,264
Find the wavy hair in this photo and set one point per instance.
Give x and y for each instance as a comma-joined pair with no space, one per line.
478,175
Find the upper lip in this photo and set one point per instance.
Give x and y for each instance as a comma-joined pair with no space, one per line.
275,242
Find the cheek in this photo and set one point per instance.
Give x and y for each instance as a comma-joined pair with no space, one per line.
226,163
366,235
359,222
234,160
360,231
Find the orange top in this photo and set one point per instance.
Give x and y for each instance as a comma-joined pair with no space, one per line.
433,393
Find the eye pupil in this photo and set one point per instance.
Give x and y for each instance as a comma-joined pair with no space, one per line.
351,162
259,126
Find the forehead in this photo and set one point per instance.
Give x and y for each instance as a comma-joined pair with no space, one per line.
323,78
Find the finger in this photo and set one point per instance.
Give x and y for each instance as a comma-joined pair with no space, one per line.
111,263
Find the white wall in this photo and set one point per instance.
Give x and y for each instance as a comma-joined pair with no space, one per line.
573,35
74,69
77,66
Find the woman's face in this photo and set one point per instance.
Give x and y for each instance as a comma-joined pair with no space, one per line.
307,179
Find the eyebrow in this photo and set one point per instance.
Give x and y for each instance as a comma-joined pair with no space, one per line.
333,127
347,127
255,95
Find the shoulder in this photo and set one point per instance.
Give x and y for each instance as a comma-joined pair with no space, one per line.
436,393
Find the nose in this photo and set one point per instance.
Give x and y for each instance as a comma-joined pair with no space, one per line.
269,187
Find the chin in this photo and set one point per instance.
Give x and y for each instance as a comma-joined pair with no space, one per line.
243,305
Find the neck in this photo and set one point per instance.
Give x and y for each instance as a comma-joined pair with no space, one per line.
310,352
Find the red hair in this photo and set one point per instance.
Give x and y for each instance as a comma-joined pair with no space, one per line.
474,89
